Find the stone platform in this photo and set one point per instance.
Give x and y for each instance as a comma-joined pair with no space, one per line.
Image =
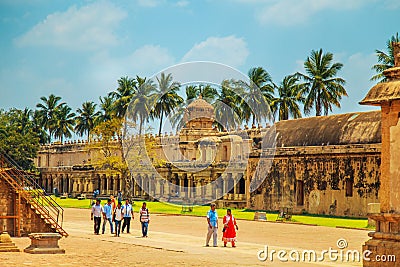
6,245
385,242
44,243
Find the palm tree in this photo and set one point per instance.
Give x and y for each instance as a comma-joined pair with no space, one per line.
321,86
123,95
227,110
85,120
207,92
48,113
385,60
167,97
142,101
22,120
38,128
106,109
65,123
254,102
289,96
192,92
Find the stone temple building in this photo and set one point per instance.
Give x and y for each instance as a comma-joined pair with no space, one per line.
320,165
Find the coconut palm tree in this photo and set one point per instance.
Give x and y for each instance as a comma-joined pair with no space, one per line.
254,102
207,92
192,92
38,128
321,86
142,101
22,120
123,95
48,113
286,104
106,109
226,106
167,98
385,60
85,119
65,123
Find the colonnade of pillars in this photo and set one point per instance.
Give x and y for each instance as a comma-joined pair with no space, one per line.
192,187
180,185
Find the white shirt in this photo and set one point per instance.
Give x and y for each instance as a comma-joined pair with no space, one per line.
97,210
118,214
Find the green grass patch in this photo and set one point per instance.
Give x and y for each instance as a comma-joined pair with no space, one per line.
244,214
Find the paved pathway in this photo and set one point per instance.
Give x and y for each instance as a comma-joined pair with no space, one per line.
180,240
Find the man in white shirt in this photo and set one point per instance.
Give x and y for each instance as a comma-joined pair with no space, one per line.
127,212
97,211
117,218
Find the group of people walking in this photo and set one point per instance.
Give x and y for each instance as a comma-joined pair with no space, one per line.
229,227
116,215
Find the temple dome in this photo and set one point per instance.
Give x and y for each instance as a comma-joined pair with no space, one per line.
199,108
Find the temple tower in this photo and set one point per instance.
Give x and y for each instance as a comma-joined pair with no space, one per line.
386,238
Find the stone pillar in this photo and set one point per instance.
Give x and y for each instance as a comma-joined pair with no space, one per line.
209,189
225,187
199,192
235,185
386,238
181,189
158,185
190,187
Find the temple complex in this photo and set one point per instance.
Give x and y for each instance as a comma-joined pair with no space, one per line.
322,165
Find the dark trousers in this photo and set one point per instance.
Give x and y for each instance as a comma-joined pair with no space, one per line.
127,224
97,222
117,227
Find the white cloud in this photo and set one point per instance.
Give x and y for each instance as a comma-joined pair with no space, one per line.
144,61
291,12
392,4
182,3
357,73
85,28
150,3
151,58
228,50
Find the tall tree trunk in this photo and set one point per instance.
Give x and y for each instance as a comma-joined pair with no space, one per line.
161,119
140,126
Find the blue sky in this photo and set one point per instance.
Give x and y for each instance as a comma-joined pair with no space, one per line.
78,49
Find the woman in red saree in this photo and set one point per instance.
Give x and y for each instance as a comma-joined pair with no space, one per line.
229,230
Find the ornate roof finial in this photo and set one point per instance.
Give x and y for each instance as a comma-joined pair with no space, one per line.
200,96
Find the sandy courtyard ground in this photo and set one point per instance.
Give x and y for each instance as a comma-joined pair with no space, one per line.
180,240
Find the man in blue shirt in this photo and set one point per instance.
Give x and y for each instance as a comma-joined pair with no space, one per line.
212,220
107,216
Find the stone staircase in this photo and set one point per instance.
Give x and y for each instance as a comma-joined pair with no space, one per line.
29,193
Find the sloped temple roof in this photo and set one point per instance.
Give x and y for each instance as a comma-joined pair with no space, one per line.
342,129
382,92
